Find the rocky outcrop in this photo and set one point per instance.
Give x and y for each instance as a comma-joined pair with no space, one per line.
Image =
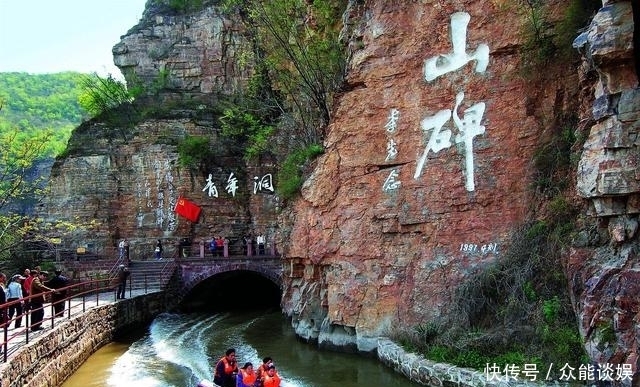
123,179
192,55
603,263
383,234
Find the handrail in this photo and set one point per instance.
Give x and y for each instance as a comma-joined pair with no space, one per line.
75,303
79,298
167,271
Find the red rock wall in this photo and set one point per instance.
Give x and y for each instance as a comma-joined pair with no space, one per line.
378,241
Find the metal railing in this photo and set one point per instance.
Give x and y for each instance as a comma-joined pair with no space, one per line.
80,296
18,329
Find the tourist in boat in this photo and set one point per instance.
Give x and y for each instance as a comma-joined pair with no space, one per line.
262,370
271,378
226,369
247,376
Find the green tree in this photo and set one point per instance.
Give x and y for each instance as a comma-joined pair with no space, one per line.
299,65
297,42
16,160
37,115
248,129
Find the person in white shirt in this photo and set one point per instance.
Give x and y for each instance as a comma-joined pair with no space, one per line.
121,248
260,239
14,293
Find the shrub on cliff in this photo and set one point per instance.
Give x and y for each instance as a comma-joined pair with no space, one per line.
248,129
194,152
292,170
514,311
547,38
100,94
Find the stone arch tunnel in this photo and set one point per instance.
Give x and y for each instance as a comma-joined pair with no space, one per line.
230,287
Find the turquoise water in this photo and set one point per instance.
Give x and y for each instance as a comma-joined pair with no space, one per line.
181,349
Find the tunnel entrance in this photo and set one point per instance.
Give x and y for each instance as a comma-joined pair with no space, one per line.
230,291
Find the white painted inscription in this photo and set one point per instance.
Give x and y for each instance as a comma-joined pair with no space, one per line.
265,183
444,63
391,183
232,185
392,150
392,122
210,187
260,184
467,128
482,249
155,194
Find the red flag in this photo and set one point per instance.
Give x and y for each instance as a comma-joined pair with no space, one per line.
188,209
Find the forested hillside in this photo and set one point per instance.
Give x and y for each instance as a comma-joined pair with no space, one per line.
37,115
34,103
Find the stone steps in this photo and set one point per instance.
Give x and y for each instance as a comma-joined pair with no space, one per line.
150,274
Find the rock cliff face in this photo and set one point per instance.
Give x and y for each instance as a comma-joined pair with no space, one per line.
123,179
427,169
429,164
603,263
196,54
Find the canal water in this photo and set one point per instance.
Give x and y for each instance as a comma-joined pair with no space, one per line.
180,349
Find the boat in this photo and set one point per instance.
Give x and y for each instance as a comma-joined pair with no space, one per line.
207,383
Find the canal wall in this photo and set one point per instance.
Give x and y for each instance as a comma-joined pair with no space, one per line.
429,373
49,359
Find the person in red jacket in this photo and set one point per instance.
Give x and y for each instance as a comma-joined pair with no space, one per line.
26,286
226,369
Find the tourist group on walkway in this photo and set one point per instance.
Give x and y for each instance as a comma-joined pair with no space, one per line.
34,283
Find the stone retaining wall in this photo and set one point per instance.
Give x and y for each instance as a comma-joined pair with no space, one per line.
430,373
51,358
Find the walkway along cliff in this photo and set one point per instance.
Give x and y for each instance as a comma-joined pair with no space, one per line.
95,319
431,163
